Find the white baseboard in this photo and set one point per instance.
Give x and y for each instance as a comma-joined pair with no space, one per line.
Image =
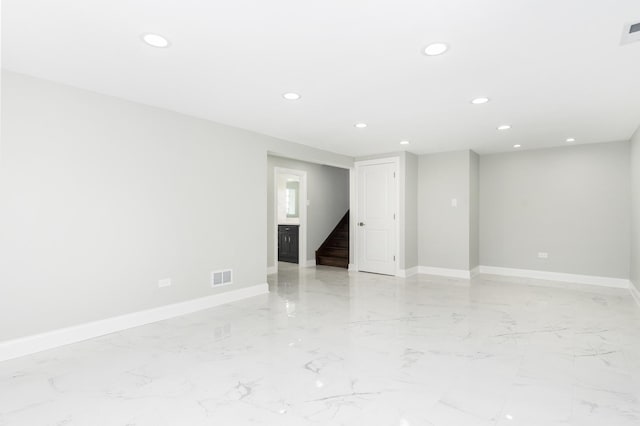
406,273
272,270
352,267
635,293
475,271
309,263
444,272
31,344
557,276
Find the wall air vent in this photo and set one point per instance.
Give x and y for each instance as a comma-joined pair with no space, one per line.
631,32
222,277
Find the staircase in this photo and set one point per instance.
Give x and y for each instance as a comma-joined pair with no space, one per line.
335,249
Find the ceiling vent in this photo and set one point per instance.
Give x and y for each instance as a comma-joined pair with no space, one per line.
631,32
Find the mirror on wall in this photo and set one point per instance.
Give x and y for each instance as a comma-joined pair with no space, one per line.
291,198
288,199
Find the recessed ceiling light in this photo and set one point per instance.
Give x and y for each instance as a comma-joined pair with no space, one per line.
404,142
480,101
571,139
291,96
155,40
435,49
360,125
517,146
504,127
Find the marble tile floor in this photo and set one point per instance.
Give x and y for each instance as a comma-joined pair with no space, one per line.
327,347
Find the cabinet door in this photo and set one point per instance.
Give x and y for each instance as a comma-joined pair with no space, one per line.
283,246
288,243
293,245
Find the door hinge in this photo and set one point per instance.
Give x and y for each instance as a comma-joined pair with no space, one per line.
394,216
394,175
394,258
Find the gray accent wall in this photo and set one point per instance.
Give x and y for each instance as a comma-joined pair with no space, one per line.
571,202
328,195
635,210
410,186
444,231
474,210
100,198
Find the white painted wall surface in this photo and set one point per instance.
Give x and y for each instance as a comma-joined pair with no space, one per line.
571,202
443,229
100,198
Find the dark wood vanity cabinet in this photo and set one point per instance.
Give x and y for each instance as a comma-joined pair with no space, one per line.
288,243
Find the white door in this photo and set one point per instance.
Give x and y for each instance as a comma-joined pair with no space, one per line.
376,217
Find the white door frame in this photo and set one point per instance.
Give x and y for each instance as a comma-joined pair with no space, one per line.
354,207
302,247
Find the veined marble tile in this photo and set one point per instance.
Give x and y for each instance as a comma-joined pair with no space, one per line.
328,347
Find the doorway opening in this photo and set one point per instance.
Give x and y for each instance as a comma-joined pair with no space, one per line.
290,215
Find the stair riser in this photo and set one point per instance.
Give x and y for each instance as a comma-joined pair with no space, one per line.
342,253
332,261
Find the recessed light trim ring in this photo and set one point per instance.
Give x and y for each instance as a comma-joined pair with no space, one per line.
435,49
480,101
291,96
156,40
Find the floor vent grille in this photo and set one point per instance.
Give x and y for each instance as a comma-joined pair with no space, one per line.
222,277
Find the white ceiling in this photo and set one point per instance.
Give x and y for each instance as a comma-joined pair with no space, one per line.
553,69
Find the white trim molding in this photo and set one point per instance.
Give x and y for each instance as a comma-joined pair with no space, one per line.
406,273
40,342
475,272
310,263
557,276
272,270
634,292
352,267
444,272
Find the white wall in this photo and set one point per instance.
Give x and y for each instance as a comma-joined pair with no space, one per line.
635,209
444,230
328,195
100,198
571,202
